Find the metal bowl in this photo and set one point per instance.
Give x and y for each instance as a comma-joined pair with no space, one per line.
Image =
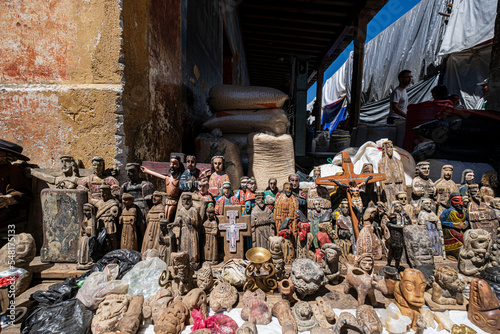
258,255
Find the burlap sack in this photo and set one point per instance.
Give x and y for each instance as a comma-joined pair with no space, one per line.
240,139
229,97
248,121
207,145
270,156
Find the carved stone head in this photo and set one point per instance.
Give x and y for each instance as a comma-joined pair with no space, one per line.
204,277
447,278
368,318
412,287
475,252
110,311
418,245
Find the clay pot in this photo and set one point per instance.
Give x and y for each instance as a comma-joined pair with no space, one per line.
286,289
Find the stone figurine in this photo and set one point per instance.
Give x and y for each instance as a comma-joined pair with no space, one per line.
189,222
454,221
347,323
165,237
307,276
409,294
394,172
430,221
481,215
107,213
218,176
255,308
304,316
128,220
205,277
467,180
277,257
226,199
173,319
155,214
447,288
345,231
262,222
418,246
210,247
484,309
109,313
87,229
444,188
323,312
422,185
172,187
398,220
140,189
368,319
196,299
283,312
154,306
189,178
93,183
181,272
475,253
70,174
223,296
131,321
331,261
247,327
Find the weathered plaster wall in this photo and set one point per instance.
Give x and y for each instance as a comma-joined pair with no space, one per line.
61,79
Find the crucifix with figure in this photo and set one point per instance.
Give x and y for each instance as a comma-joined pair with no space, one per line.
351,182
234,228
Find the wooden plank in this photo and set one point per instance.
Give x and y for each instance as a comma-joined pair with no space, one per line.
53,271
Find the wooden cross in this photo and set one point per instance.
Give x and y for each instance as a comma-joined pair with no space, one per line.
234,227
346,177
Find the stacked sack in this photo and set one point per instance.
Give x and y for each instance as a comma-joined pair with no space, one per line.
242,112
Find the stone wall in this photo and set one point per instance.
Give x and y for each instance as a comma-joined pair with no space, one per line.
61,83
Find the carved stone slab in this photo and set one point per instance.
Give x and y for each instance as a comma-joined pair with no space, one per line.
62,213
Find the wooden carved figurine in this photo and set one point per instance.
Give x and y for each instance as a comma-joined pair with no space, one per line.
68,180
484,309
128,221
271,192
189,222
285,206
316,216
155,214
250,195
409,294
182,273
165,237
240,193
394,172
454,221
262,222
318,192
210,248
467,180
481,215
353,189
345,232
137,187
445,187
428,219
218,176
226,199
447,288
107,213
275,247
418,246
369,192
171,185
397,221
402,196
87,229
422,185
331,261
489,182
294,180
189,179
204,193
93,182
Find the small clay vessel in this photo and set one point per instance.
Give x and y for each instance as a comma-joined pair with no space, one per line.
223,296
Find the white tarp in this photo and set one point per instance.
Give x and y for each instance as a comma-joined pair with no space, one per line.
412,43
471,22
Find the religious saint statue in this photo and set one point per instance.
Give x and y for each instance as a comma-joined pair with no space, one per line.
189,179
285,207
204,193
315,218
394,172
128,220
398,219
301,195
369,191
467,180
189,222
171,184
489,182
271,192
107,213
432,224
250,195
353,189
137,187
444,187
454,221
70,174
87,229
165,242
422,185
93,182
262,222
155,214
318,192
226,199
240,193
218,176
481,215
210,248
346,239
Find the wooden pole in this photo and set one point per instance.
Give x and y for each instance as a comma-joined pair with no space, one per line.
319,95
357,69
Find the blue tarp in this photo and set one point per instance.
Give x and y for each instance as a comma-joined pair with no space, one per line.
333,114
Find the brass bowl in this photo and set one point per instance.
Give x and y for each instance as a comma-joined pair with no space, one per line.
258,255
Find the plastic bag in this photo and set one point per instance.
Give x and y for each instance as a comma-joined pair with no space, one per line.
233,272
97,286
217,323
68,317
125,258
57,292
143,278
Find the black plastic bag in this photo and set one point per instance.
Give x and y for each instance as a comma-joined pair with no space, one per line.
125,258
57,292
96,244
67,317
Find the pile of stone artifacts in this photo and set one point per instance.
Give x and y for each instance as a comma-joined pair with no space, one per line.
354,252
